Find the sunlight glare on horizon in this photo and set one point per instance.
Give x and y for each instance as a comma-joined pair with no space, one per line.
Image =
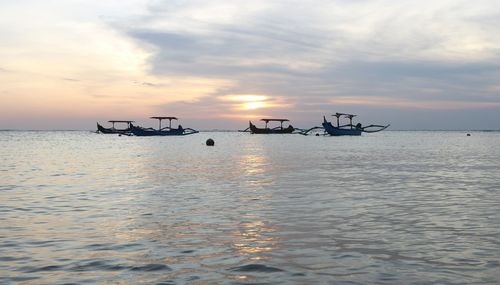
249,101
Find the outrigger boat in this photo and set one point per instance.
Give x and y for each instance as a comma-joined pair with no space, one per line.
347,129
166,131
113,130
266,130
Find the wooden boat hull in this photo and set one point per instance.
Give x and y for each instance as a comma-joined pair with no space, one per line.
335,131
255,130
142,132
104,130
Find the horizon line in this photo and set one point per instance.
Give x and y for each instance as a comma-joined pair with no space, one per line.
234,130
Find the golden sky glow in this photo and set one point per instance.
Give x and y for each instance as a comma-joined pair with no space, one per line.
249,102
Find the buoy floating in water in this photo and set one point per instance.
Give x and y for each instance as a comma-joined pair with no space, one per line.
210,142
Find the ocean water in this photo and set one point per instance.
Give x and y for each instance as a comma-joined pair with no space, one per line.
386,208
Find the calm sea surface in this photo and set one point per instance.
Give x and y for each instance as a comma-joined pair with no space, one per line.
386,208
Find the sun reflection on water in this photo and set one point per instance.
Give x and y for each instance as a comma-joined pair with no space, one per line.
254,238
254,235
256,170
253,164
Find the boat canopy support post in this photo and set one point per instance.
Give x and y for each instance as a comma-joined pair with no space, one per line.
169,123
164,118
338,118
350,116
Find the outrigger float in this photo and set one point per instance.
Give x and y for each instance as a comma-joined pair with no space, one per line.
113,130
347,129
166,131
276,130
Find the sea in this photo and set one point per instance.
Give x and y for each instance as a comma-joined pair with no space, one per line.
395,207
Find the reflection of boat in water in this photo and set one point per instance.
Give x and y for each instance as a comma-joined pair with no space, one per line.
113,130
349,129
276,130
166,131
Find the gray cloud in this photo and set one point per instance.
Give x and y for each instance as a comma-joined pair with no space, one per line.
440,52
70,79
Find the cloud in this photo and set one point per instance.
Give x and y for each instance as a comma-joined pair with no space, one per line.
70,79
413,104
5,70
334,42
426,55
306,59
148,84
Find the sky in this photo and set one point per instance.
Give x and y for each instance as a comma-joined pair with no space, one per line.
217,64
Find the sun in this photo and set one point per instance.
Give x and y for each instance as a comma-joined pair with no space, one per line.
249,101
253,105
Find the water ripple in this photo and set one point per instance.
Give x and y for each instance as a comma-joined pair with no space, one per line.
255,268
388,208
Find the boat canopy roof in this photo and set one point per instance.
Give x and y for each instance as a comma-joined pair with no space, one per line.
120,121
275,120
344,114
164,118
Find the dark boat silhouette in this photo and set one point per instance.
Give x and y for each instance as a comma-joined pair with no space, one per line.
277,130
113,130
349,129
166,131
